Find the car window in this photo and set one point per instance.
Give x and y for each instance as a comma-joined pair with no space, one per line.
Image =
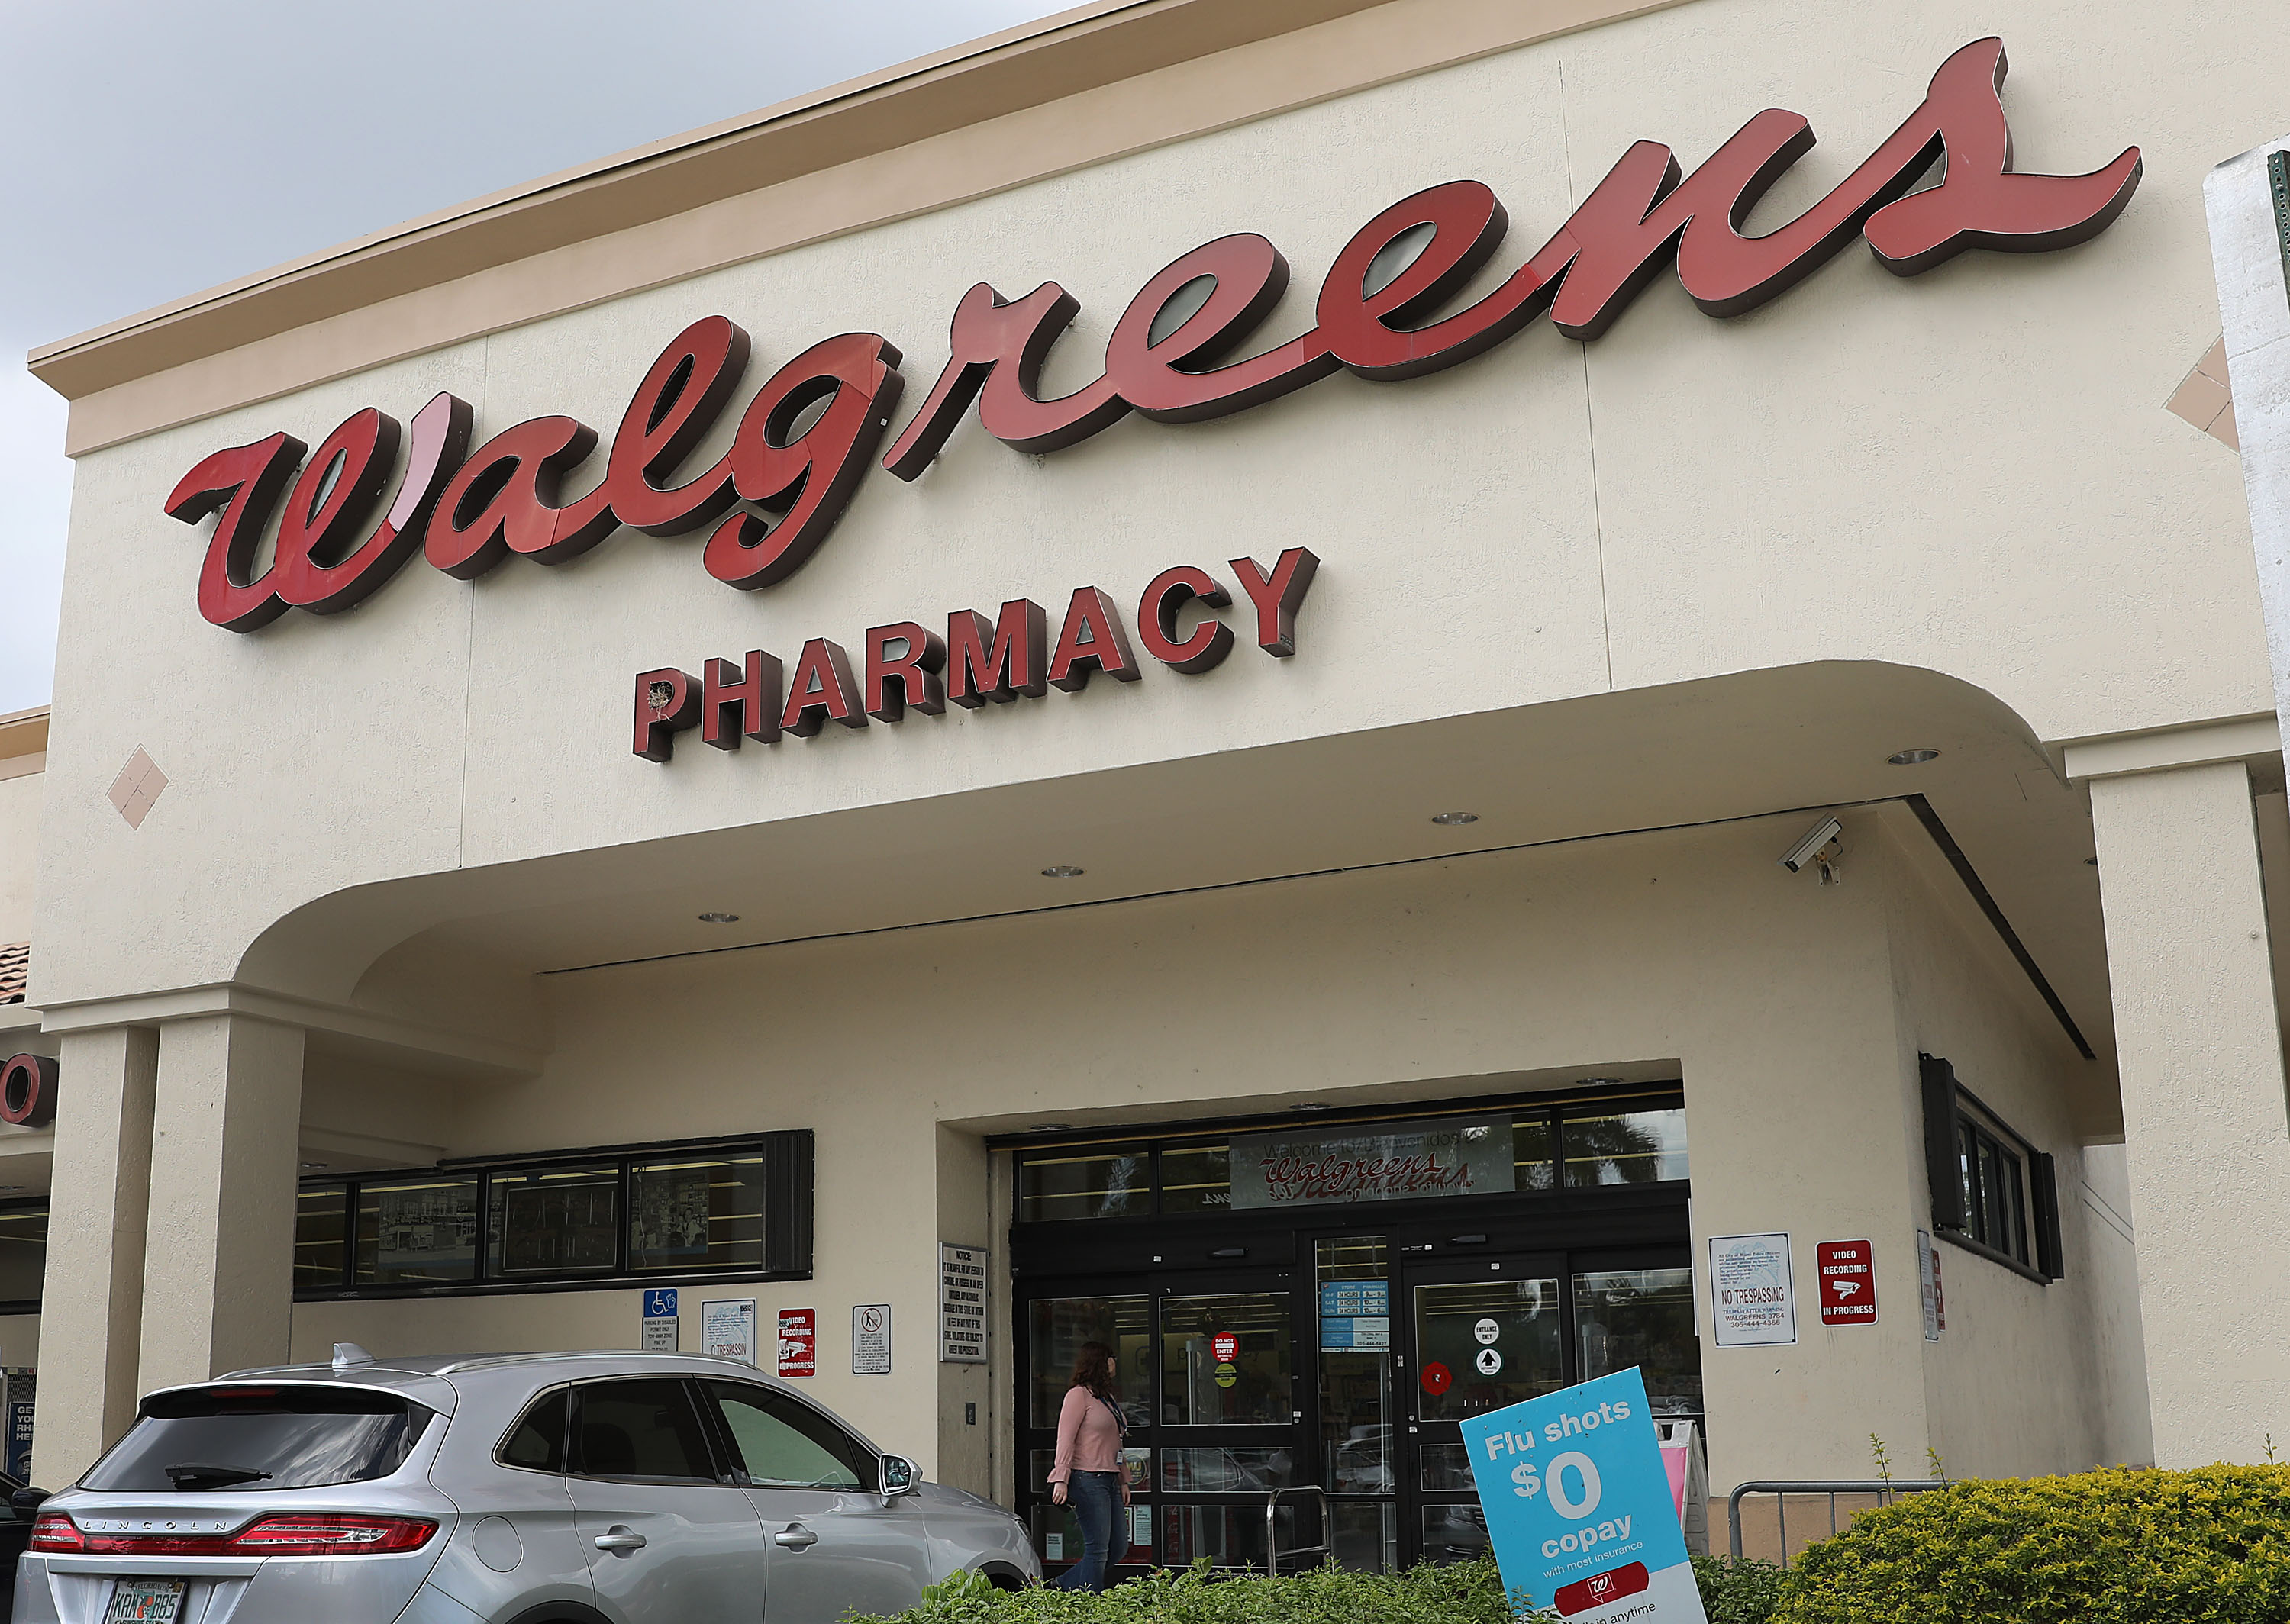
639,1430
283,1436
784,1443
537,1441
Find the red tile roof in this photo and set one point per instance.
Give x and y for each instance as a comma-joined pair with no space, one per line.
15,965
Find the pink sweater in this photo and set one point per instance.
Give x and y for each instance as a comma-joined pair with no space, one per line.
1089,1439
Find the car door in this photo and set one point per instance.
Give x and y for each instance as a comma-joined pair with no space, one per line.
669,1535
835,1545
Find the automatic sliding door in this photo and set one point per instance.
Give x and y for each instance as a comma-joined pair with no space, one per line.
1228,1429
1056,1329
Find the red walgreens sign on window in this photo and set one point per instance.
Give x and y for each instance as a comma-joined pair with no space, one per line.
1848,1283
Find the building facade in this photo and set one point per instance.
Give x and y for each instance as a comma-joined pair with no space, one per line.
1246,816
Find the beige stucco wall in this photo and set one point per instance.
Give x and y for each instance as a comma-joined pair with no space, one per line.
19,837
1782,1004
1929,471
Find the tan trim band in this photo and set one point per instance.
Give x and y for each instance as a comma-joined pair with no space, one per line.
1080,89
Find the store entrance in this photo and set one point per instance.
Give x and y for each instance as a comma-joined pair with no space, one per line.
1327,1354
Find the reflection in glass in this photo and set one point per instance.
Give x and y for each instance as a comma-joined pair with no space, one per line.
1496,1340
1453,1533
322,1236
1534,1162
1233,1536
24,1254
1197,1179
1098,1184
696,1214
418,1231
1365,1534
1626,1147
1253,1387
1060,1325
553,1222
1057,1535
1446,1469
1642,1317
1225,1471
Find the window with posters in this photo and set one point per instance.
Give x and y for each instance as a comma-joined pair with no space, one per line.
712,1210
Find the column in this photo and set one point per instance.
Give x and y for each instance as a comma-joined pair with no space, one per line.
219,1266
92,1311
2199,1046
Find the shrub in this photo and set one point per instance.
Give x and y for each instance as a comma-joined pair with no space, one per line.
1744,1592
2117,1547
1461,1593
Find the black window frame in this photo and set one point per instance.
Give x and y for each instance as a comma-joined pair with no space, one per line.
1553,1110
1955,1118
44,1207
788,1163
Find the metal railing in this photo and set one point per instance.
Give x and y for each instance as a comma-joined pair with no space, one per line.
1272,1551
1882,1491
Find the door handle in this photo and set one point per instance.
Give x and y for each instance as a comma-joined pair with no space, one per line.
796,1537
621,1539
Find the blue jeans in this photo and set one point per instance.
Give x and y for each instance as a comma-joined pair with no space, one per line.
1095,1498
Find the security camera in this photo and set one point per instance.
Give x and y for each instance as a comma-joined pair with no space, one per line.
1817,840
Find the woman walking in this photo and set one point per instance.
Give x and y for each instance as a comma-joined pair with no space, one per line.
1087,1472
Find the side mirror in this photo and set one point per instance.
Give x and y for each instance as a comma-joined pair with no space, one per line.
900,1475
26,1503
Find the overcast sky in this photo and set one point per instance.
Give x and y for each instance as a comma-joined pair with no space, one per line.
156,149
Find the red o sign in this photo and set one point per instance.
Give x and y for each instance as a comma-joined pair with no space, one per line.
1437,1378
28,1091
1225,1346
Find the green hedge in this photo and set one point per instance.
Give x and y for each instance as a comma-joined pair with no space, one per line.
2119,1547
1464,1593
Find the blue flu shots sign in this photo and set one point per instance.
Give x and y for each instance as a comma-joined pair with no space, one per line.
1579,1508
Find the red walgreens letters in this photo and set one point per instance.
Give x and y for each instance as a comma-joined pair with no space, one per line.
774,496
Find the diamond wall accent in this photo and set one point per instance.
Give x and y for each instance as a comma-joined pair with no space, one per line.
136,787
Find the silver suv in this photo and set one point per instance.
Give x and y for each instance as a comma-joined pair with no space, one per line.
596,1488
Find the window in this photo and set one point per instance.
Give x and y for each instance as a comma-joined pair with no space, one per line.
417,1231
23,1252
781,1442
1091,1184
1992,1192
1639,1147
644,1429
281,1435
717,1209
556,1221
537,1442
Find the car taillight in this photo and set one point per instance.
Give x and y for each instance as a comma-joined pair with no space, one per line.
280,1534
52,1530
283,1534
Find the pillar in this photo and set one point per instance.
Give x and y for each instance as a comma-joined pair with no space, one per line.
219,1266
2205,1123
92,1312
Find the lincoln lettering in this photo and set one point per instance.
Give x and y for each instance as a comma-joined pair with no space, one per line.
808,435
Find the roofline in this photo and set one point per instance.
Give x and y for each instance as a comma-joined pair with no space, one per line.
1023,67
23,732
1092,48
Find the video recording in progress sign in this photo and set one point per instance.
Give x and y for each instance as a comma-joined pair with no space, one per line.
1848,1283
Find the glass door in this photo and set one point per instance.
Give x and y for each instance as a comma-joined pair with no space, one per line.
1230,1426
1481,1335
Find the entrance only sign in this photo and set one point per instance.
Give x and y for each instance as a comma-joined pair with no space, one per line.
1579,1507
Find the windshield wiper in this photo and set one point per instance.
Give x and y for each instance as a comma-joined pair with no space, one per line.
195,1477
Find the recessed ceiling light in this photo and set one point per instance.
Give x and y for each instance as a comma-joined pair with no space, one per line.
1595,1082
719,918
1310,1105
1062,871
1052,1127
1454,820
1911,758
315,1166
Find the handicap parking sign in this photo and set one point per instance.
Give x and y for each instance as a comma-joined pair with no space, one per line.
1579,1507
660,1302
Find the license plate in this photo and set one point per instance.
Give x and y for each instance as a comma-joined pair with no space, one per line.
145,1601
